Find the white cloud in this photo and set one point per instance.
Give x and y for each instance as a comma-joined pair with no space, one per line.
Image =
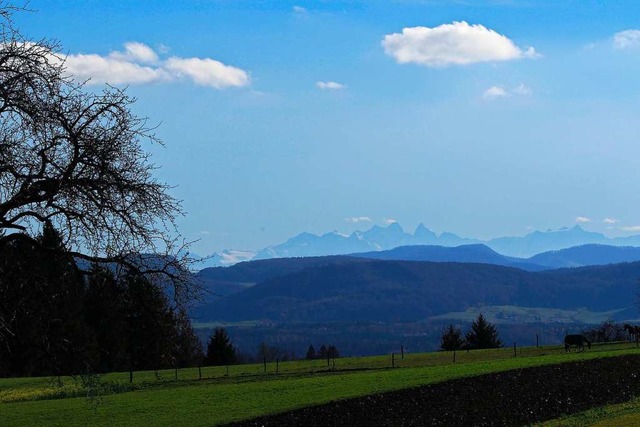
495,92
136,52
357,219
108,70
610,221
501,92
140,64
522,89
582,220
330,85
389,221
299,9
626,39
457,43
163,48
208,72
634,228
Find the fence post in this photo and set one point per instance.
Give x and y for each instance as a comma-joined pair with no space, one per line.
515,354
264,361
227,370
199,372
277,365
536,340
176,373
393,360
402,352
454,355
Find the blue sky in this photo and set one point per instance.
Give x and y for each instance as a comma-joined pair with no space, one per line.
281,117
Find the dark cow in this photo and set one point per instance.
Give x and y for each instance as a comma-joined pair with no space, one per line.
578,340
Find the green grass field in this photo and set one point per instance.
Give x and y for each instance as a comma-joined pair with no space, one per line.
499,314
621,415
247,391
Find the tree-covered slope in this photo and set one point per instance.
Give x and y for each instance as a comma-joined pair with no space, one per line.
411,291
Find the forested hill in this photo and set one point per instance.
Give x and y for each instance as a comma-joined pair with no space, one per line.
410,291
258,271
476,253
227,280
586,255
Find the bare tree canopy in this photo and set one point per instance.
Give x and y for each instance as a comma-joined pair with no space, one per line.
74,160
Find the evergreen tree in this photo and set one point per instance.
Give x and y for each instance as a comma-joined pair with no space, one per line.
54,322
451,339
41,308
220,350
106,316
311,353
65,335
322,353
483,334
20,313
150,324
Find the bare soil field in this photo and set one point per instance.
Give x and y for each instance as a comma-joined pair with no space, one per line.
512,398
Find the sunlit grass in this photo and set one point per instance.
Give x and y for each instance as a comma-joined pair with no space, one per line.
619,415
247,391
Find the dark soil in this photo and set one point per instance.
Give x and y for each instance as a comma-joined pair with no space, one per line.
518,397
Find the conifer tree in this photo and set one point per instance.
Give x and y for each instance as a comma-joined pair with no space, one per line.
220,350
322,353
483,334
451,338
311,353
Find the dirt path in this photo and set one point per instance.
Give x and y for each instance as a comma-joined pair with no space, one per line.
518,397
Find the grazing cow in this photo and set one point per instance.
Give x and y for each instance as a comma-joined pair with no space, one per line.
577,340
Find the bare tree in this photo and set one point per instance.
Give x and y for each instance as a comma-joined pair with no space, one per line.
75,160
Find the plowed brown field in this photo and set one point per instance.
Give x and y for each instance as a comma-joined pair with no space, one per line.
518,397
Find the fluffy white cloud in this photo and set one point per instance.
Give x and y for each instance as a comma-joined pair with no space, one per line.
389,221
207,72
139,64
100,69
610,221
631,228
457,43
626,39
495,92
136,52
330,85
582,220
357,219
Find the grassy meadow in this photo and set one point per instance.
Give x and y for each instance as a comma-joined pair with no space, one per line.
246,391
625,414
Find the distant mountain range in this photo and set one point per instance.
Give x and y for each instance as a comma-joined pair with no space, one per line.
347,289
577,256
385,238
366,305
222,281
